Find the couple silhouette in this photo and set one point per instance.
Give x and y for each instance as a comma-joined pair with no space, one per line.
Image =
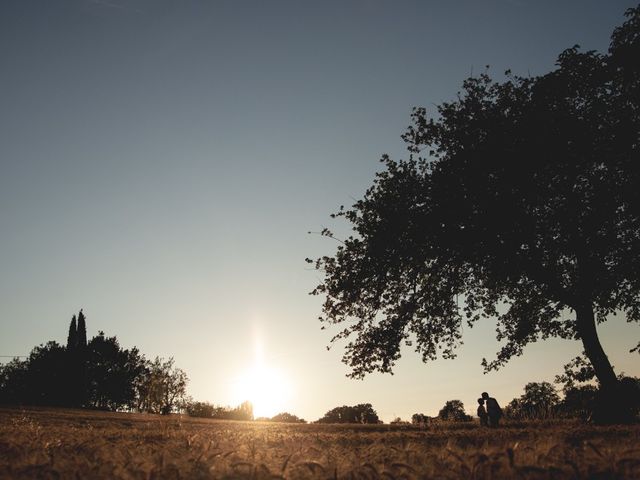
489,416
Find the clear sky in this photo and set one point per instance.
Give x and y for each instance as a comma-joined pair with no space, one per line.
161,163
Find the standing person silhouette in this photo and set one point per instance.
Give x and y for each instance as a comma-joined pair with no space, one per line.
482,413
494,412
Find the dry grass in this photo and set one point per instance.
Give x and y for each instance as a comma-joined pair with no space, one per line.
41,443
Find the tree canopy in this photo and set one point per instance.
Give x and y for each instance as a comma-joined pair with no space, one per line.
361,413
453,411
539,400
519,201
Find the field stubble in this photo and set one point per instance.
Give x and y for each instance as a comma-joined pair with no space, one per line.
50,443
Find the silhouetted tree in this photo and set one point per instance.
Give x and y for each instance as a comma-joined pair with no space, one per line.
578,401
100,374
540,400
162,387
398,421
82,331
361,413
72,337
200,409
453,411
244,412
581,397
522,193
112,373
38,380
77,380
48,375
577,371
286,417
419,419
13,380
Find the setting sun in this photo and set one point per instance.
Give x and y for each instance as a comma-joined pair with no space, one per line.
266,388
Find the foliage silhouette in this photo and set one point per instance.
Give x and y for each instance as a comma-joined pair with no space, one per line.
286,417
578,401
244,411
72,337
161,388
453,411
113,373
539,401
81,332
199,409
39,380
420,419
361,413
519,201
99,374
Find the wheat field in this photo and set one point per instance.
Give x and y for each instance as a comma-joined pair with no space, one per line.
60,444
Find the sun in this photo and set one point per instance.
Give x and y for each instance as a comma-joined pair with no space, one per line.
266,388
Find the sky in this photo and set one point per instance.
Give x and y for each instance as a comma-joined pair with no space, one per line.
162,162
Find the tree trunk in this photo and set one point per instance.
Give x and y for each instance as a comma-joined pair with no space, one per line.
611,406
586,326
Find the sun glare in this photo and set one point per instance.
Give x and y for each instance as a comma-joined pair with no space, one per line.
266,388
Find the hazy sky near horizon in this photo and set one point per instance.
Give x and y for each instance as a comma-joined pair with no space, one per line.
161,163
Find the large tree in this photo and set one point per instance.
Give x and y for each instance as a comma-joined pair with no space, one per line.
112,373
519,201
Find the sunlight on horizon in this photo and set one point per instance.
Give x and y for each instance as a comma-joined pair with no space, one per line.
266,387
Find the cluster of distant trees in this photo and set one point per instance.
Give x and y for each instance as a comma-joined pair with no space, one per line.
207,410
541,400
575,397
361,413
97,373
242,412
580,395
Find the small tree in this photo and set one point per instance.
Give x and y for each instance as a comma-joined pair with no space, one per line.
453,411
419,419
13,381
286,417
200,409
399,421
540,400
162,388
579,401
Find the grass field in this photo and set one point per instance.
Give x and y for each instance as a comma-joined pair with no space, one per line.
50,443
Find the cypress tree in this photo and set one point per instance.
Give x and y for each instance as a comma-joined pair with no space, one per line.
81,332
72,338
81,362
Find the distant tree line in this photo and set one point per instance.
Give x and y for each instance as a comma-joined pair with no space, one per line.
361,413
244,411
97,374
541,400
576,397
